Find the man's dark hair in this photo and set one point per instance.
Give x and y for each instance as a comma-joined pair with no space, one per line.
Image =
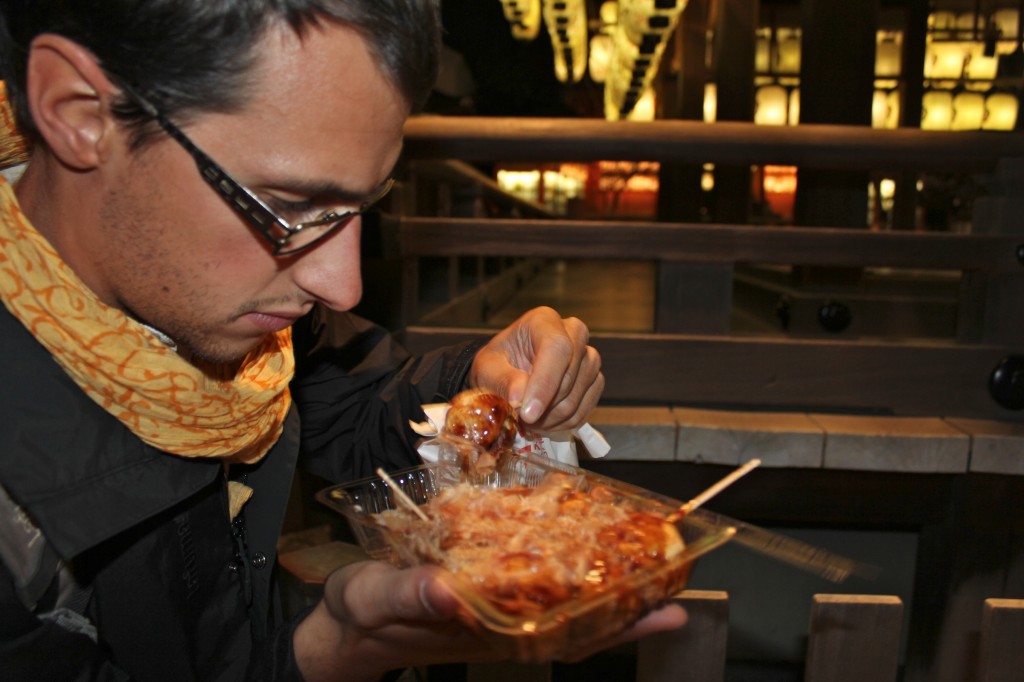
193,56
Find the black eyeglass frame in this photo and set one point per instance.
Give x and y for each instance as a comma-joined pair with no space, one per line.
267,222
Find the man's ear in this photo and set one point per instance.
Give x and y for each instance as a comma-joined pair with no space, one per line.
69,97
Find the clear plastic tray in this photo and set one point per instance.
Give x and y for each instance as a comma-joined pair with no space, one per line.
563,629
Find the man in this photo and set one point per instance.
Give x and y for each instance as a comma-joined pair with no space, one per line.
192,194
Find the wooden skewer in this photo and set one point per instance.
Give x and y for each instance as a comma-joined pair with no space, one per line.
713,490
402,497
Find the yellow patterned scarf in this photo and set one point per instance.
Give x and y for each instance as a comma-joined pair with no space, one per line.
162,398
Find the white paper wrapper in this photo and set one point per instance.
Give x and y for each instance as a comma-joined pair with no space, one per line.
559,446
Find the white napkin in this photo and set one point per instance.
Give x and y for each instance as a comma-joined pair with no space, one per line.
559,446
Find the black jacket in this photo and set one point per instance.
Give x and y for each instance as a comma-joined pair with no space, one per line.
178,592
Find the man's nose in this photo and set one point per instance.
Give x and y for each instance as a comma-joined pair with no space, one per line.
330,272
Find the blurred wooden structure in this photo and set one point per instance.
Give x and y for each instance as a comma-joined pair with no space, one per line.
691,357
918,433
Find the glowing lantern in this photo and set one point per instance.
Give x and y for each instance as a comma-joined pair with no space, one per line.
942,22
707,178
794,107
937,110
944,60
787,57
1006,21
977,66
524,17
645,107
885,109
1000,111
771,105
888,54
968,111
763,51
879,109
600,57
966,22
710,102
567,25
609,12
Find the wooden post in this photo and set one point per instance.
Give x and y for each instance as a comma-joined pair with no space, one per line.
854,638
1001,655
693,298
695,652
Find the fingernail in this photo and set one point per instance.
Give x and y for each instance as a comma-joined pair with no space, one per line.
531,411
425,600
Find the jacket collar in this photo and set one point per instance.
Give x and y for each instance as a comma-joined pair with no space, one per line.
79,473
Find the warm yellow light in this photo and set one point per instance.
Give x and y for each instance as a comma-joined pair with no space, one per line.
1006,21
522,184
779,179
609,12
771,105
937,110
567,26
967,21
942,21
638,42
523,16
885,109
888,54
787,57
794,106
968,111
763,51
707,180
977,66
710,102
600,57
944,60
1000,111
645,107
887,189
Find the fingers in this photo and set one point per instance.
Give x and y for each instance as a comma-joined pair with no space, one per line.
558,353
669,617
372,594
545,363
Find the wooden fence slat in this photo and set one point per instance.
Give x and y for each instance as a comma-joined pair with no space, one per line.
1001,654
854,638
695,652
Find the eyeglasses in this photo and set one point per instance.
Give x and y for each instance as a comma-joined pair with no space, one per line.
285,238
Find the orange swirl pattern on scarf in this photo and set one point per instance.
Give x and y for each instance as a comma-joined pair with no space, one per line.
162,398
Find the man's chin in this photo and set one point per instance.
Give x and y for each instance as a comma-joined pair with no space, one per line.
217,357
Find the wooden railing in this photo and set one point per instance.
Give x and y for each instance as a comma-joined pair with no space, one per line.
691,357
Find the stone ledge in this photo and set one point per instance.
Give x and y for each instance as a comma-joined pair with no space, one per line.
996,447
902,444
810,440
637,433
778,439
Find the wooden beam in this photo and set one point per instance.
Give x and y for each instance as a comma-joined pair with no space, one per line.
694,242
812,145
875,377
